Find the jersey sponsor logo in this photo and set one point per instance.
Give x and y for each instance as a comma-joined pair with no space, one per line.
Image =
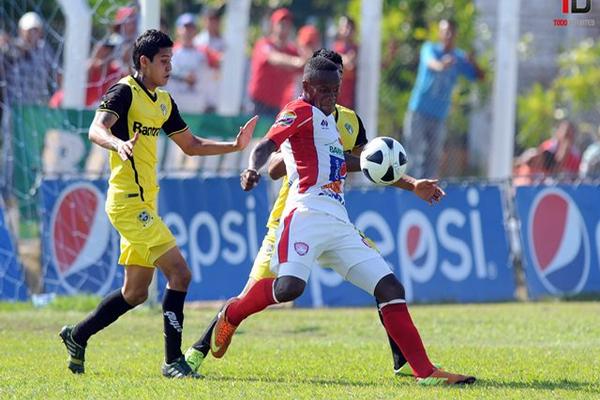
301,248
145,218
336,187
84,247
337,168
336,150
285,118
324,124
163,108
559,243
145,130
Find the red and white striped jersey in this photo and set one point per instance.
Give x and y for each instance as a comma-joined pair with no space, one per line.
314,158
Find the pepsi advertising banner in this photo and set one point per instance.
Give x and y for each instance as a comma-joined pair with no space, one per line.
560,235
80,248
456,250
218,228
12,282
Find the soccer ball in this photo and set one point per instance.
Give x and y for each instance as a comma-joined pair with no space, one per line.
383,160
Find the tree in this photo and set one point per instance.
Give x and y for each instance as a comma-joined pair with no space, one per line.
571,94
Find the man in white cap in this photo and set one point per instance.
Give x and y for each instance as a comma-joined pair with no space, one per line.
32,66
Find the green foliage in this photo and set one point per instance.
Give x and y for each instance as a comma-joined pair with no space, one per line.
573,93
518,351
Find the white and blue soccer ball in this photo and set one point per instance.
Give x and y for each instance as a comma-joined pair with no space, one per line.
383,160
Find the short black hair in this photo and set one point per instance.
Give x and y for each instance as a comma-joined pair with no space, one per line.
331,55
318,64
149,44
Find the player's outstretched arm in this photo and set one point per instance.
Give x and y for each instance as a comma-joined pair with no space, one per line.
196,146
100,134
276,167
426,189
259,157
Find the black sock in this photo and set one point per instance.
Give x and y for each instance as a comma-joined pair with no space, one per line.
397,355
203,344
173,323
107,312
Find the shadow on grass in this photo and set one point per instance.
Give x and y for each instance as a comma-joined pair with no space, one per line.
314,381
563,384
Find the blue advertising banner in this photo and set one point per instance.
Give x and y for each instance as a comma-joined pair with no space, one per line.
454,251
12,281
218,228
80,248
560,235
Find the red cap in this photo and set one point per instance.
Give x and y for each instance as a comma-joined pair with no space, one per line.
308,34
280,14
123,14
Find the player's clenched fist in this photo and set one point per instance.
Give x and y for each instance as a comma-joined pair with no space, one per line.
249,179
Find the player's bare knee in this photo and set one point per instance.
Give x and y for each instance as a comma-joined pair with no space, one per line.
135,295
389,288
180,278
288,288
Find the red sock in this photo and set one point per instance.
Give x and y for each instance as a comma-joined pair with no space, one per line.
400,327
259,297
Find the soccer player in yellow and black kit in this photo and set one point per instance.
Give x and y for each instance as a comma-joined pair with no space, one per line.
353,137
128,122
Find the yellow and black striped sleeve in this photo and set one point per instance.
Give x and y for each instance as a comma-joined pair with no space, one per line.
361,138
117,101
175,124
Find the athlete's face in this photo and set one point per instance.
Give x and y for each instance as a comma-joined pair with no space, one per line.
159,69
322,90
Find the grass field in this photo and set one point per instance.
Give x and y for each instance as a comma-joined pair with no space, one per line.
545,350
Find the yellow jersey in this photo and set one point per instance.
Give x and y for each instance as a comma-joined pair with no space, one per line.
352,133
138,111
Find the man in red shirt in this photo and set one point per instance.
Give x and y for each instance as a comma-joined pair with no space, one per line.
274,66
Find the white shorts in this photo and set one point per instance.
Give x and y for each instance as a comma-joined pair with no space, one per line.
305,237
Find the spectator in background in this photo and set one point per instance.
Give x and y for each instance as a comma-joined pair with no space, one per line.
211,44
308,41
32,67
189,68
274,66
555,157
563,156
124,32
103,72
344,44
210,37
440,65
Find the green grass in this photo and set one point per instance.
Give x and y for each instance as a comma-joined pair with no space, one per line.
548,350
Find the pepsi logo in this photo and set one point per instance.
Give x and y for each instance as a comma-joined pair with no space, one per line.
81,237
417,246
558,242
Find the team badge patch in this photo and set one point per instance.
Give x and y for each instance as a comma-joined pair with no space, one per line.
163,108
285,118
301,248
145,218
348,127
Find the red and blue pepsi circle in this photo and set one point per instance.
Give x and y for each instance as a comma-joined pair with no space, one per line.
559,244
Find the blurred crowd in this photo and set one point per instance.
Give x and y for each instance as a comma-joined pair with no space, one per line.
31,70
30,73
